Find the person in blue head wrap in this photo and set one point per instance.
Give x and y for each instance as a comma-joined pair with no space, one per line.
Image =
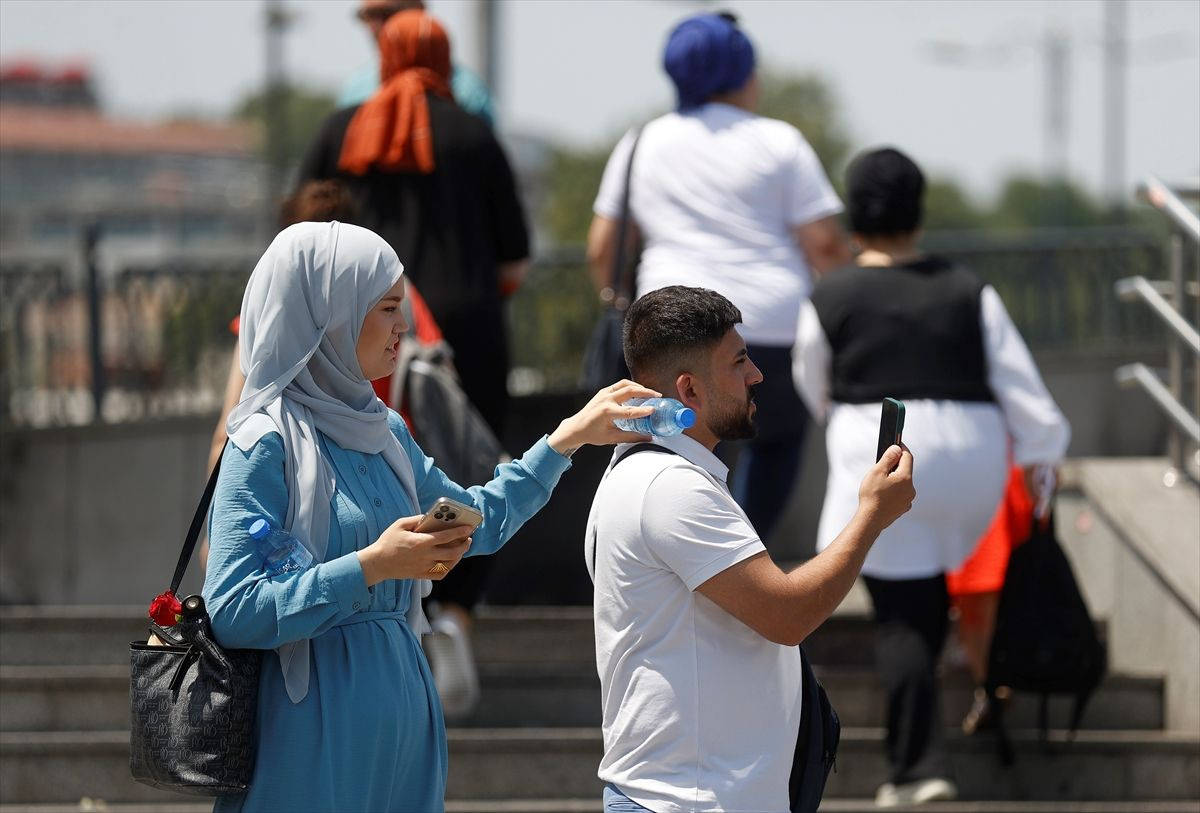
723,198
707,55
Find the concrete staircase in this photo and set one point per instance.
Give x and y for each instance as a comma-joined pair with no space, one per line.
533,744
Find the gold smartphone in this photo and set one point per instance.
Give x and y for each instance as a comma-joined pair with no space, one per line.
447,513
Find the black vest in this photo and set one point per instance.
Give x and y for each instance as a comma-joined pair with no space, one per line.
910,331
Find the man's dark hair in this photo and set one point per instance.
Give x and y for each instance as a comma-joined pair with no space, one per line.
666,328
884,193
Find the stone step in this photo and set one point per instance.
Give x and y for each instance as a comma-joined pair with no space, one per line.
555,763
95,698
520,698
594,805
77,635
504,637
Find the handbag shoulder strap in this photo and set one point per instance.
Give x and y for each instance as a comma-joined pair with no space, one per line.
193,534
623,289
630,452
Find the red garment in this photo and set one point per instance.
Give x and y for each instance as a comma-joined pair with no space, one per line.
425,328
983,572
391,129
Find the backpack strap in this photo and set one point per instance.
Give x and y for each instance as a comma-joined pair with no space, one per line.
630,452
1004,747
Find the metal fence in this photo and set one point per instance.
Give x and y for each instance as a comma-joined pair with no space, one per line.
154,340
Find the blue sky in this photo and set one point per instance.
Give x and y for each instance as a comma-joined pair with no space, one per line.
582,70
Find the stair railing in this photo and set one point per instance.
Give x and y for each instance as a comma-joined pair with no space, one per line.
1169,302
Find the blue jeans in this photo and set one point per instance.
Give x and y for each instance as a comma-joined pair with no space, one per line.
617,802
766,467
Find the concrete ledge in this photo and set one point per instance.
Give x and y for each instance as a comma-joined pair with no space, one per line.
1160,524
1135,546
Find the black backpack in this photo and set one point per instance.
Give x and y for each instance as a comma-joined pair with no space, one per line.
1045,640
820,729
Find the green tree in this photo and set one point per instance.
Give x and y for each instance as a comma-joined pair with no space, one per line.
947,206
303,111
1027,202
808,102
574,177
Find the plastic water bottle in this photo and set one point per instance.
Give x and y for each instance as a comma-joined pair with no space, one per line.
281,552
668,418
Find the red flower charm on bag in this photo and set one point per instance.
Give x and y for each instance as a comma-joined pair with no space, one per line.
166,609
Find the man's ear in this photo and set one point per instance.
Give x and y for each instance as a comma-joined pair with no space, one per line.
690,390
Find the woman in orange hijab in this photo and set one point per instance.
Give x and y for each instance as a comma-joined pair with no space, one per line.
433,181
391,130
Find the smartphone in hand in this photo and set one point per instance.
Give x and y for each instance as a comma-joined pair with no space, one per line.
891,426
447,513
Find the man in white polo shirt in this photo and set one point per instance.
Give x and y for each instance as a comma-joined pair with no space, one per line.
696,626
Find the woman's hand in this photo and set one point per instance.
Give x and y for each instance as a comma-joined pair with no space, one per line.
402,553
594,423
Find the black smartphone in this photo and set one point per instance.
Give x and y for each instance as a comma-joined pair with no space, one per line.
891,426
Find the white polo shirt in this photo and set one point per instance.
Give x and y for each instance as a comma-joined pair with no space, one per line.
700,711
716,193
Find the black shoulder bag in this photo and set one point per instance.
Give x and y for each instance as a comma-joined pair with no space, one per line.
604,358
192,703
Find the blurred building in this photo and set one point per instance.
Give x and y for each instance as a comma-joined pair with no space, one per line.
65,162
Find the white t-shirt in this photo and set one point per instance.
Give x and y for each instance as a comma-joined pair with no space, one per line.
716,193
700,712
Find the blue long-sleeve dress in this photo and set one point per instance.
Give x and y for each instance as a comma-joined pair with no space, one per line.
369,735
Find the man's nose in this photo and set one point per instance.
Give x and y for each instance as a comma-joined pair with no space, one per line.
754,375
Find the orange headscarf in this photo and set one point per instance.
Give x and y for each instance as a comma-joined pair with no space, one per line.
391,129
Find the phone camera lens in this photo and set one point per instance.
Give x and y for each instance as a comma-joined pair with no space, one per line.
450,517
439,515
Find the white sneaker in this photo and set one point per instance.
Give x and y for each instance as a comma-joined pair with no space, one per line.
453,665
915,793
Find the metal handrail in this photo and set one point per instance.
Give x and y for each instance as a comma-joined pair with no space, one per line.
1131,288
1170,395
1132,374
1163,198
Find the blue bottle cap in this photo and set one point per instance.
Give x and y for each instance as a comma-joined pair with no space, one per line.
686,417
259,528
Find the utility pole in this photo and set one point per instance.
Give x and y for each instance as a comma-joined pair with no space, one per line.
1057,54
487,22
277,20
1115,61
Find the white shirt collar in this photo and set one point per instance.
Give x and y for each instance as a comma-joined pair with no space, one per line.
690,450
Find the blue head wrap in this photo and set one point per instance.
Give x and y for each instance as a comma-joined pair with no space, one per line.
705,55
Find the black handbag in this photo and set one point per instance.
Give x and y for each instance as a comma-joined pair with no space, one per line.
192,703
604,358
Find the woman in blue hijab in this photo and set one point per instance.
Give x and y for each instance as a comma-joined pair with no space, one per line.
726,199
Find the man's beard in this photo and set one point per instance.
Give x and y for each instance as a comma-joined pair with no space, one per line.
735,424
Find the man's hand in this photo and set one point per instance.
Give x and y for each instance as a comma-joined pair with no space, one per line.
887,491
